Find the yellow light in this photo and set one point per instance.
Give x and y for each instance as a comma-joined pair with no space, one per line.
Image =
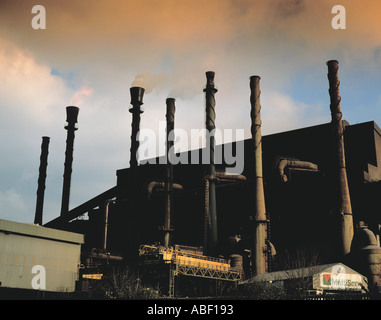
96,276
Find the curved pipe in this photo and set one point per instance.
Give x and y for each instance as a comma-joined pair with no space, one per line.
283,163
223,176
362,239
161,185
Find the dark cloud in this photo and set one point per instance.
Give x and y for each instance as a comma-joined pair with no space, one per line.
290,8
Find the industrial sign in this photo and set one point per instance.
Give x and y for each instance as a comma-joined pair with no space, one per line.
338,279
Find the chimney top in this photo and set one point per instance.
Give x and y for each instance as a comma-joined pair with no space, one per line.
137,95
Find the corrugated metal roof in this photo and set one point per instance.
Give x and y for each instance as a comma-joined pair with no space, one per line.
33,230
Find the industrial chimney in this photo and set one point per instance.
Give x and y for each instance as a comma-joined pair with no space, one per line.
168,220
71,127
210,103
344,206
136,101
258,246
41,180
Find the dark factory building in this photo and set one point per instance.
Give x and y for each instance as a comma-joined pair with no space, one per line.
315,180
301,210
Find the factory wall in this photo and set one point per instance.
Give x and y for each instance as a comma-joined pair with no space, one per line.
37,258
301,211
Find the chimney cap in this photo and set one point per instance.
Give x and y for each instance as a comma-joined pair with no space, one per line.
255,77
137,95
171,108
72,115
210,80
333,65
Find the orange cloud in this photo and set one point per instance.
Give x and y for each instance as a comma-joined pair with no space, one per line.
80,96
146,30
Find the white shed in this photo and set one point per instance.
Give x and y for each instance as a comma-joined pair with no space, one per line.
38,258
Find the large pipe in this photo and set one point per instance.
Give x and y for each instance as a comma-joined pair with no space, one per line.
159,185
71,119
41,180
219,177
206,216
168,219
345,208
210,103
136,102
259,233
106,222
224,177
296,164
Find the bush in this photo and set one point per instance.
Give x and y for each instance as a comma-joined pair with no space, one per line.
121,283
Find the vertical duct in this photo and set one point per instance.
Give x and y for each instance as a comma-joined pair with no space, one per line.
168,220
71,119
258,246
210,103
345,208
106,221
41,180
136,102
206,216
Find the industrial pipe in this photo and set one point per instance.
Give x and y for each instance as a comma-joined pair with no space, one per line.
210,103
136,102
161,186
168,218
258,254
207,222
219,177
71,119
304,165
106,223
345,208
367,257
224,177
41,180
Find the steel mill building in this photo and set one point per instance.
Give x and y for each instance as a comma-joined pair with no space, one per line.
315,189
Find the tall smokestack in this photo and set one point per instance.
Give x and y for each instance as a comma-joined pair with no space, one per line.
345,208
210,103
71,119
168,221
41,180
136,101
259,232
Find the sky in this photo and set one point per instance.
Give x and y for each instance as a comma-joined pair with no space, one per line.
91,52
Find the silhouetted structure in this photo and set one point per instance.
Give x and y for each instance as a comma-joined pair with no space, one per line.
313,180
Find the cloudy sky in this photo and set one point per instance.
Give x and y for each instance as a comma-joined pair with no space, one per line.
93,51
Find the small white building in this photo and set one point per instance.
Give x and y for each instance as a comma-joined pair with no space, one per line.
328,278
38,258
